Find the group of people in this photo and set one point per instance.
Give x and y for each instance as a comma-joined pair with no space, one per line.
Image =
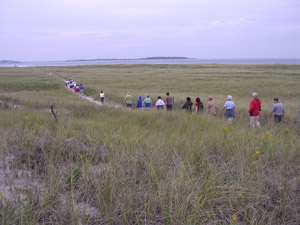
147,102
211,108
254,110
72,85
168,104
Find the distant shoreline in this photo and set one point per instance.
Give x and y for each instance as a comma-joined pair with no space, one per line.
150,60
9,62
84,60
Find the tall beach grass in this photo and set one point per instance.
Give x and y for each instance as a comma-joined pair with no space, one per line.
110,165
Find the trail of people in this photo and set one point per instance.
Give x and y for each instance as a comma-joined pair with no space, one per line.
84,97
211,109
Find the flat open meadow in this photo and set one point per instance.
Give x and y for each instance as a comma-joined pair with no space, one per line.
105,164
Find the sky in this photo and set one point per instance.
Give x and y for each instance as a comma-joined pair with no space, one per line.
40,30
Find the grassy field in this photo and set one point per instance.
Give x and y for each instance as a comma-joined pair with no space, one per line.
108,165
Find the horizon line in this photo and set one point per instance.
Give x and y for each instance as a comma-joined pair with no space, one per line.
145,58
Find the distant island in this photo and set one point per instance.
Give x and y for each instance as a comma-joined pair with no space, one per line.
8,62
163,58
148,58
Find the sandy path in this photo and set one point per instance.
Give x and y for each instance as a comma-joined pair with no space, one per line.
84,97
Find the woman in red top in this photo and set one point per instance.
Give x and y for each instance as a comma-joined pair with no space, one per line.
199,105
255,107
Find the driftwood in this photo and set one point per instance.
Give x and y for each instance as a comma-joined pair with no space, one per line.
54,112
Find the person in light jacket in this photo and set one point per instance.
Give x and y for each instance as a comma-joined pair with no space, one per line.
230,109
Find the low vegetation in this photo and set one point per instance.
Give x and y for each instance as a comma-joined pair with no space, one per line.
109,165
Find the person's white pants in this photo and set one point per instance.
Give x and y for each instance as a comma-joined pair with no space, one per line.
254,121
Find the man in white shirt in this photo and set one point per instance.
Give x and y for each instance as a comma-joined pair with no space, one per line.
102,97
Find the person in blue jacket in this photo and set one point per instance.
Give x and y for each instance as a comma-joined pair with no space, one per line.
139,103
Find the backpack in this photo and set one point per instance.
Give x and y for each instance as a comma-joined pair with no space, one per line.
201,107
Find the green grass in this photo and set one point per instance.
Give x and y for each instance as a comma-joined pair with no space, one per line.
107,165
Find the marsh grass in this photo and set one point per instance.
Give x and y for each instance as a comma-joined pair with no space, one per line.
107,165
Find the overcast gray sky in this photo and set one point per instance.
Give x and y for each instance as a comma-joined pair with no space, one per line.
88,29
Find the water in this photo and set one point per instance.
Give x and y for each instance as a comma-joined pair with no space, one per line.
155,61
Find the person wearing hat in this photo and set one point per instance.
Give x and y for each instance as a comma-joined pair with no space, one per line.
128,100
211,108
230,109
255,107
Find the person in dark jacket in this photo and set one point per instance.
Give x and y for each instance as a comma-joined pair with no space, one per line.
255,107
188,105
169,101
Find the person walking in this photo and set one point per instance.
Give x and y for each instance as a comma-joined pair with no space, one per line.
71,85
81,89
169,101
278,111
77,88
160,103
139,103
211,108
128,100
199,105
74,86
102,97
147,102
255,108
230,109
188,105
